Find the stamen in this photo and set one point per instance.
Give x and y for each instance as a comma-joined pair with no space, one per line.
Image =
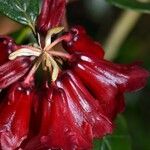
64,37
45,56
31,51
39,39
46,63
50,33
55,71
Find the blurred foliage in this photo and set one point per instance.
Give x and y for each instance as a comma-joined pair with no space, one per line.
138,5
120,139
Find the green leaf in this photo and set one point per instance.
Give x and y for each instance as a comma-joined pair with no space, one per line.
119,140
22,11
133,4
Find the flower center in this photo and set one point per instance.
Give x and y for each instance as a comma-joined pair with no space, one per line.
47,56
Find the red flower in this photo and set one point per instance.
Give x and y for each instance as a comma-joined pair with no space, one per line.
7,46
51,15
11,70
107,82
83,106
79,101
69,109
79,41
15,117
58,127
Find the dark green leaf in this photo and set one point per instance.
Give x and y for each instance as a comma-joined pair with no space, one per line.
119,140
132,4
22,11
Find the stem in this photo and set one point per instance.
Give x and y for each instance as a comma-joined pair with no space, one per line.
32,27
119,33
23,35
107,143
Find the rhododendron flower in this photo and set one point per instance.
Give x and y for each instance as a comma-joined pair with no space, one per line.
79,96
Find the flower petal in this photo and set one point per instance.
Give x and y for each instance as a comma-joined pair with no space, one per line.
13,70
79,41
83,106
107,81
51,15
56,119
14,117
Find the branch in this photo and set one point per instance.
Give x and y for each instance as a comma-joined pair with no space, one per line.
119,33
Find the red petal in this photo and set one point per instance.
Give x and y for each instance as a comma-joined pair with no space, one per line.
14,118
13,71
51,15
83,106
7,45
79,41
106,81
58,129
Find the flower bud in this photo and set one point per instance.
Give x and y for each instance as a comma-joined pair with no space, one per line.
7,46
79,41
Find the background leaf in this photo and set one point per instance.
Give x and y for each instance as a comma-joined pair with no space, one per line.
132,4
22,11
120,139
